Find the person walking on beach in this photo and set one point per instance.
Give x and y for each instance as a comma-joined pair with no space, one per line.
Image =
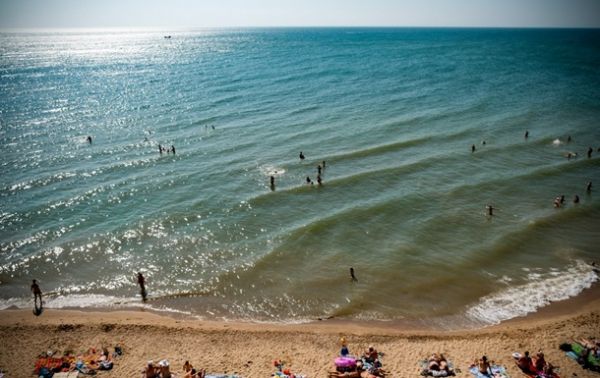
37,294
352,276
142,282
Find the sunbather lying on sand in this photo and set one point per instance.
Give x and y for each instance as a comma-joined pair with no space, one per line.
437,366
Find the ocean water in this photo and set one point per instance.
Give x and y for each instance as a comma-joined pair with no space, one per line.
393,112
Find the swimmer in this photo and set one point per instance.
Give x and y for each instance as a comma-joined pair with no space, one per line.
557,202
472,148
576,199
589,187
89,139
526,134
142,282
352,276
483,142
308,181
272,182
301,156
590,150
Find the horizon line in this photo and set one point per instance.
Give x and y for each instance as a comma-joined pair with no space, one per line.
189,28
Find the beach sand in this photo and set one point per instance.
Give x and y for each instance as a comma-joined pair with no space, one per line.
249,349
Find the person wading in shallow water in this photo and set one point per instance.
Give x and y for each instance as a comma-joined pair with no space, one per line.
354,279
37,294
142,283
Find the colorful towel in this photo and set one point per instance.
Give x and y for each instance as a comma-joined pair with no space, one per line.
498,371
577,351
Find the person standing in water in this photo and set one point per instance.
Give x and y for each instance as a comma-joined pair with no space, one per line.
490,210
89,139
160,149
589,187
142,282
272,182
308,181
37,293
352,276
301,156
526,134
472,148
590,150
173,149
319,169
319,181
576,199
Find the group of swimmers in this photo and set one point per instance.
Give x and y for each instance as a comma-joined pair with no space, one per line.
162,149
558,201
320,171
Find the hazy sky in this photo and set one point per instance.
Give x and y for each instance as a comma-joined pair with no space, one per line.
211,13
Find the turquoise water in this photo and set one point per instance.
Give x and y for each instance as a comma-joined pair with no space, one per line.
393,112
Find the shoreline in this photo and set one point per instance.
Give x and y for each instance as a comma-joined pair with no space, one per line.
248,349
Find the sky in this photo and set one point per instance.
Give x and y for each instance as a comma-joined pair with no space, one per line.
234,13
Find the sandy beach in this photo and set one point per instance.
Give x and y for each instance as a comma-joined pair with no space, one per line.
249,349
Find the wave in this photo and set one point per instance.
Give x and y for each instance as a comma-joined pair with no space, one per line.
93,301
541,290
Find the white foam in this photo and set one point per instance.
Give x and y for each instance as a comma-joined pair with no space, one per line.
541,290
86,301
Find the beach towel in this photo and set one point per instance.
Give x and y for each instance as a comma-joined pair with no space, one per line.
70,374
576,353
437,373
498,371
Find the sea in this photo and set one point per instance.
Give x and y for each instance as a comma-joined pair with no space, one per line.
391,115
